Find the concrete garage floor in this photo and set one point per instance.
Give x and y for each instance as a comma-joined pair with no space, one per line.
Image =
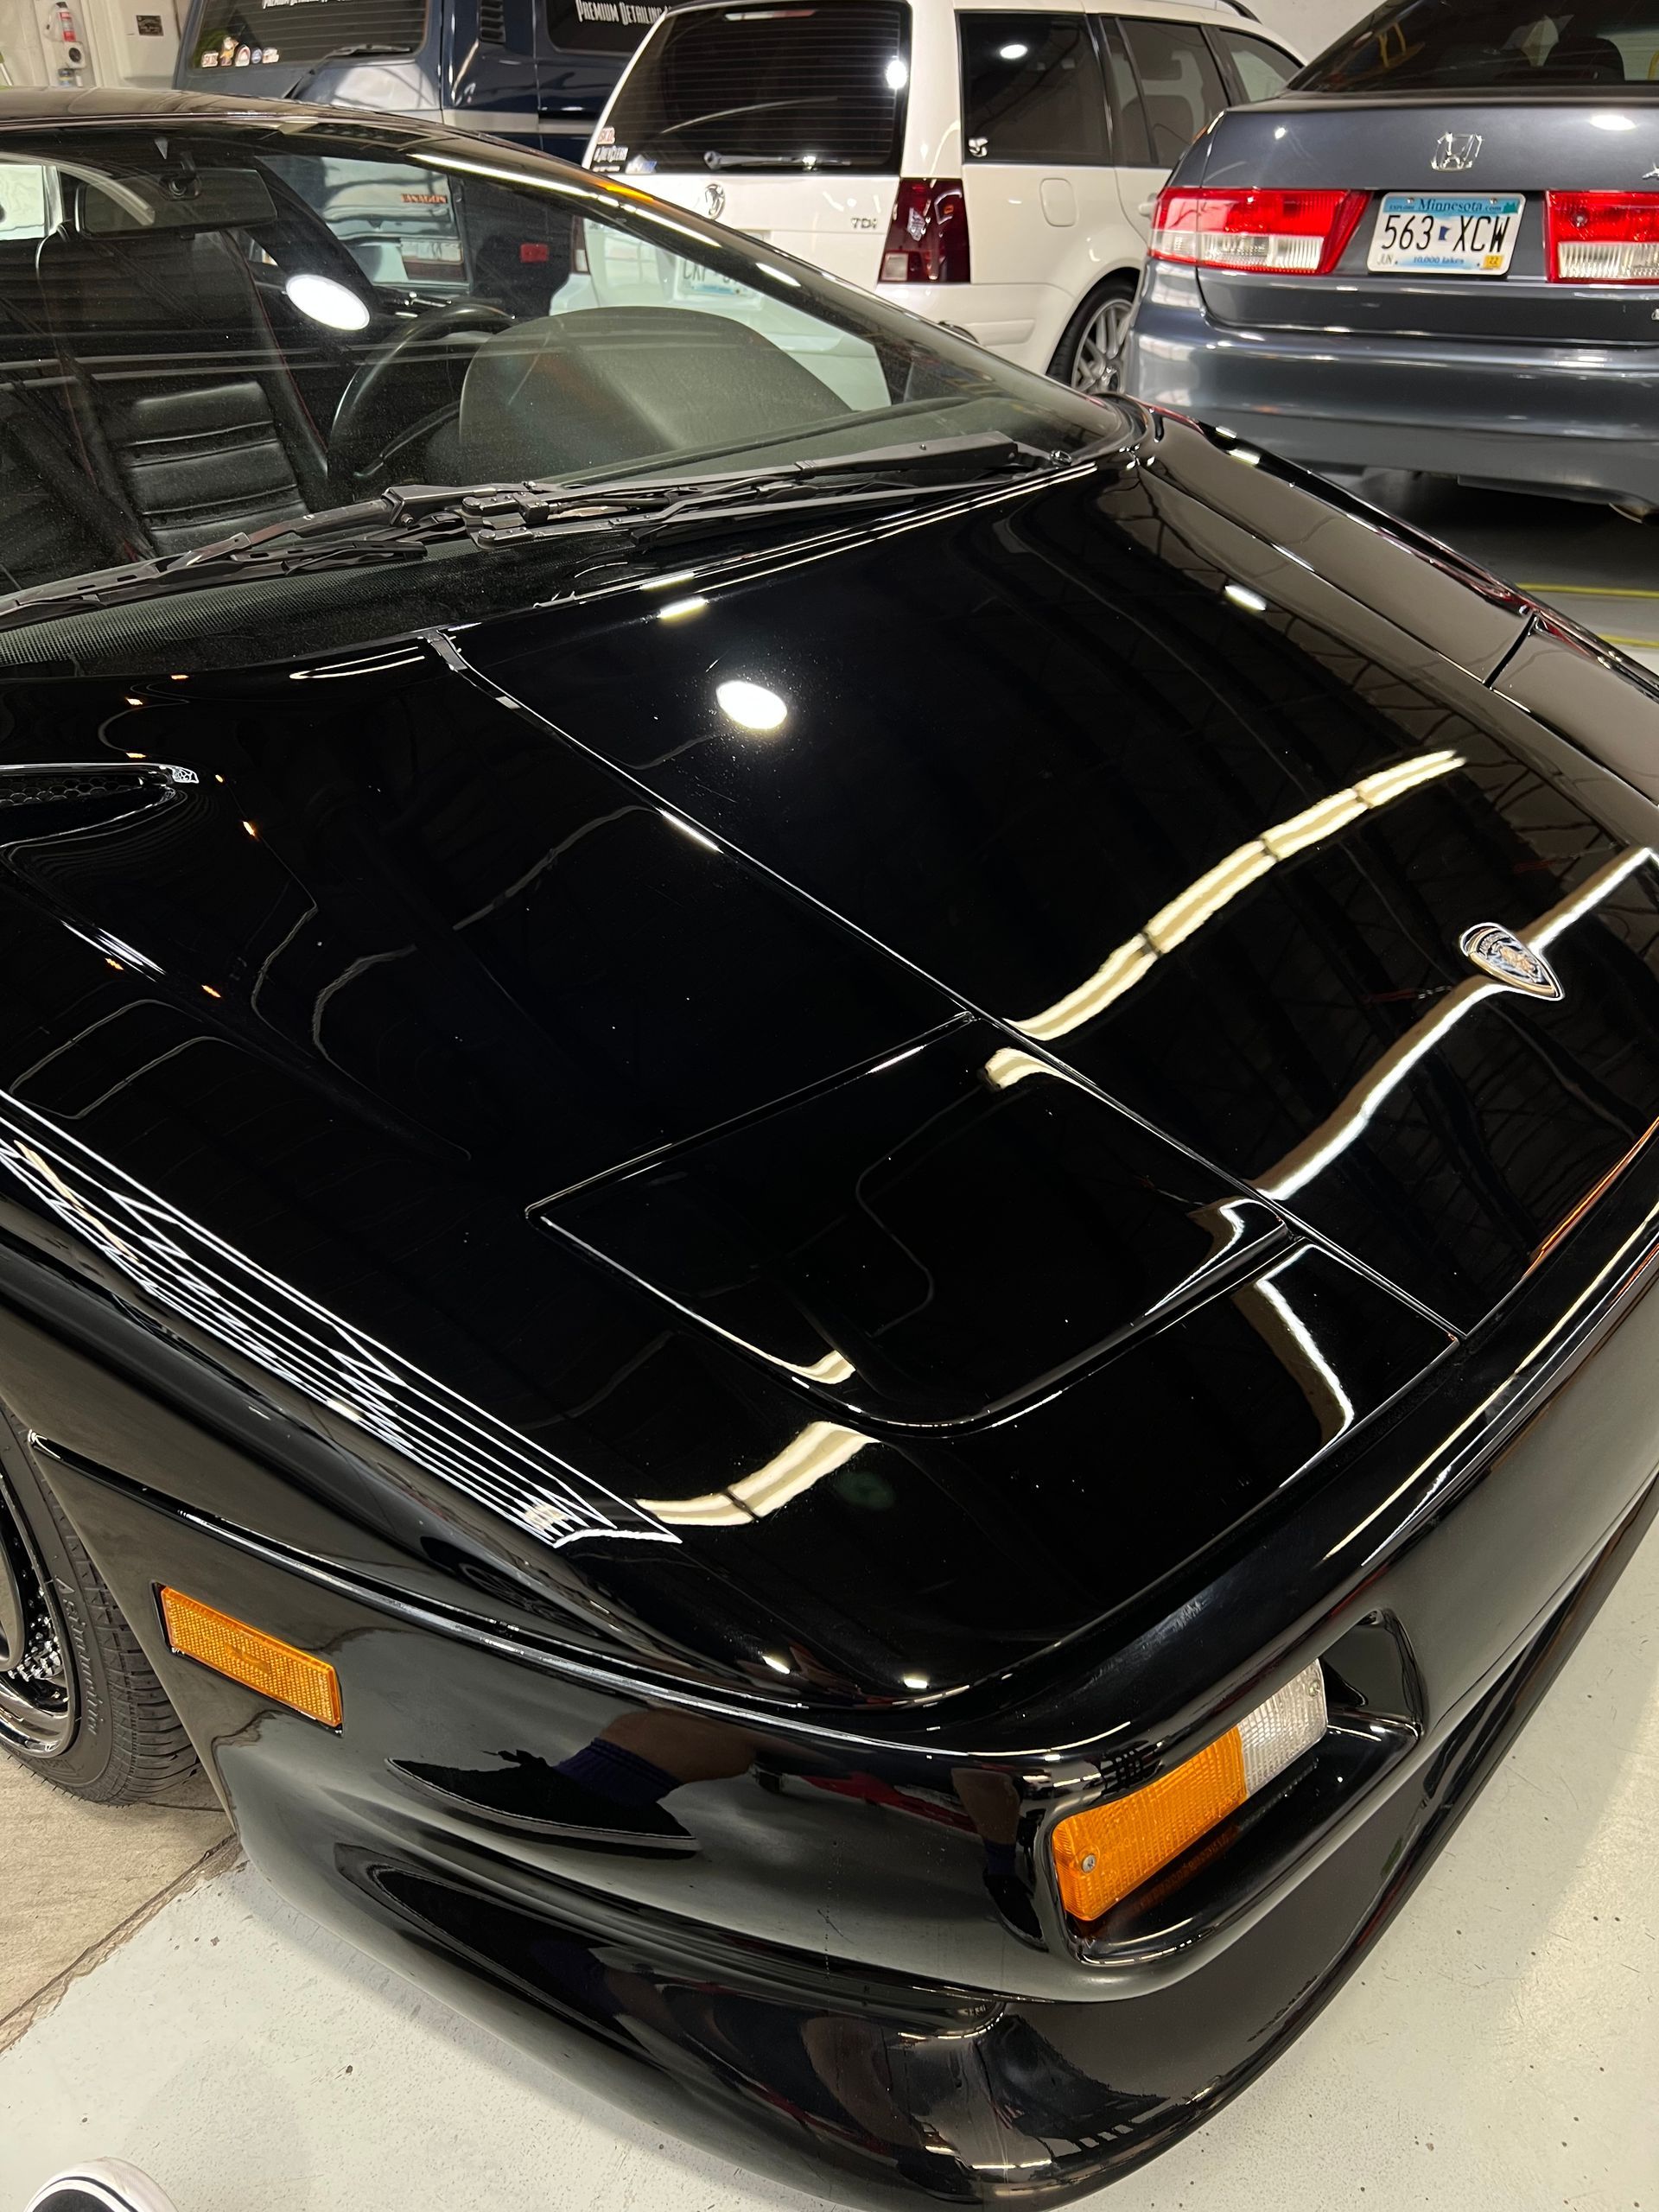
1497,2053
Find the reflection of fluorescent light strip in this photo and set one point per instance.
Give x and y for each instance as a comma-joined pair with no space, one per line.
1126,966
1008,1067
686,830
820,1448
1173,925
1358,1108
1328,1378
1391,783
557,185
1319,822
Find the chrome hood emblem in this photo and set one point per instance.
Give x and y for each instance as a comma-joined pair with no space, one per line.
1497,952
714,200
1455,150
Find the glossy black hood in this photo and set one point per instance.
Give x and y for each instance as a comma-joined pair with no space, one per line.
841,1206
1170,777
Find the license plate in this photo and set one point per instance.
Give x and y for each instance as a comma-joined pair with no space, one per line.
1446,233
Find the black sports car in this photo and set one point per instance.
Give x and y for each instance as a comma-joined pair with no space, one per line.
825,1187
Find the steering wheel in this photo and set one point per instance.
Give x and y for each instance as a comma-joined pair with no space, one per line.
368,410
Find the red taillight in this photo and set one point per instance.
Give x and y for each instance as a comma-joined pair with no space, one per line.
1291,234
927,239
1602,237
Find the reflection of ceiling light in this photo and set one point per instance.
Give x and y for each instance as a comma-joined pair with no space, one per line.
1011,52
1320,1382
686,830
914,1682
1201,901
1242,595
677,609
1611,123
777,1665
327,302
752,707
821,1447
1006,1068
898,75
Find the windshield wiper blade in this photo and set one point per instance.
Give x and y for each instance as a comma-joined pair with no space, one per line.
401,523
370,531
995,446
713,159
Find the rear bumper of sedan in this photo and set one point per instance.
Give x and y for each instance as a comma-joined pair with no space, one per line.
827,1985
1573,421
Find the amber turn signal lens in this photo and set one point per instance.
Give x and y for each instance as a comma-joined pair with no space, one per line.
247,1654
1100,1856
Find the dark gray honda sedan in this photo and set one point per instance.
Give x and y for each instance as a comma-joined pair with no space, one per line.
1438,251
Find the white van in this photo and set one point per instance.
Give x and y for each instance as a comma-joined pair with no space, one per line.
992,166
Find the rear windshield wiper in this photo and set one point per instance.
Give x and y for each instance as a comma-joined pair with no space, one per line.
713,159
403,523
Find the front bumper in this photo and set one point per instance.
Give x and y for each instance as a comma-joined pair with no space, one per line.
1573,420
825,1987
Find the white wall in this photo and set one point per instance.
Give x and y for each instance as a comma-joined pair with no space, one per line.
119,54
20,43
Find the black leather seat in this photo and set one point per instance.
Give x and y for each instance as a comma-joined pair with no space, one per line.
181,401
607,386
53,521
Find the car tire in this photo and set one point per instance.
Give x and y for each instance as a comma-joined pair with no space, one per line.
80,1703
1089,355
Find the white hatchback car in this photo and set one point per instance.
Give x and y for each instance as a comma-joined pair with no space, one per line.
992,166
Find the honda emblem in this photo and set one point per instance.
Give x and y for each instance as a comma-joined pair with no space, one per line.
1456,150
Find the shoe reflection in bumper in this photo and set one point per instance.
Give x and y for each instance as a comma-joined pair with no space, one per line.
604,1796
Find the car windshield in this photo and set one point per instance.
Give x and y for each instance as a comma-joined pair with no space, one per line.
246,323
1426,44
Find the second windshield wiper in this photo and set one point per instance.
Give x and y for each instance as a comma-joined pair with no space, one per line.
401,523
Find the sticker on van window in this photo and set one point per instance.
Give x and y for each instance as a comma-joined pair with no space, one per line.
609,157
605,135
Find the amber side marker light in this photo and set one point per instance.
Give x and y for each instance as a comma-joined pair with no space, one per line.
247,1654
1101,1855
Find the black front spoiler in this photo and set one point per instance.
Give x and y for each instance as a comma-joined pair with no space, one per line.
878,2089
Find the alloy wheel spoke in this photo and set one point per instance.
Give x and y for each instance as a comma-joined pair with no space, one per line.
37,1703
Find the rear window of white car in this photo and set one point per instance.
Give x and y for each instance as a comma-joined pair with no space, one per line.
753,89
